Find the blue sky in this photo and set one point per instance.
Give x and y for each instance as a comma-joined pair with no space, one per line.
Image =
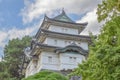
23,17
9,16
9,13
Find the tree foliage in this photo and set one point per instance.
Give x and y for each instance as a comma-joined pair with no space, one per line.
108,9
46,75
103,62
4,75
12,64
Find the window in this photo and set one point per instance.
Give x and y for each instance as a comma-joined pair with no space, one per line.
55,42
35,63
49,59
66,42
79,43
72,59
69,42
64,29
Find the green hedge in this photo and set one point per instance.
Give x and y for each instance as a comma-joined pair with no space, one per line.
46,75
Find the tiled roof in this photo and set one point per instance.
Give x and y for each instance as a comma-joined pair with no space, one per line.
65,34
63,17
72,48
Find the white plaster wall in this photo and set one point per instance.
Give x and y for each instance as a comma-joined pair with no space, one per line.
84,45
51,65
63,29
30,69
39,66
59,62
67,63
63,43
45,41
60,42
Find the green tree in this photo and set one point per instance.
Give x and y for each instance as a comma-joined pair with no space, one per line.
4,75
14,58
46,75
103,62
108,9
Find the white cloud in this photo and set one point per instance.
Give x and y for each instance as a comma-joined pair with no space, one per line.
3,37
13,33
16,33
93,25
0,59
34,10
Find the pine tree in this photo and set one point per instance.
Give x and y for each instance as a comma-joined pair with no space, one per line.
11,66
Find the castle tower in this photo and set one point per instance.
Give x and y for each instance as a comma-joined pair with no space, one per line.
58,45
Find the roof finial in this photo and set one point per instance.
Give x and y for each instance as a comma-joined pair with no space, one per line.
45,17
63,12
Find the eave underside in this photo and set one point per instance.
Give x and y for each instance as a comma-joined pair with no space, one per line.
80,27
43,47
47,22
46,33
39,47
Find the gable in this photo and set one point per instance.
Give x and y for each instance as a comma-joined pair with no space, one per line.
63,17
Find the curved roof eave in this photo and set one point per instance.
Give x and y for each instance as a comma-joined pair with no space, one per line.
73,48
51,19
